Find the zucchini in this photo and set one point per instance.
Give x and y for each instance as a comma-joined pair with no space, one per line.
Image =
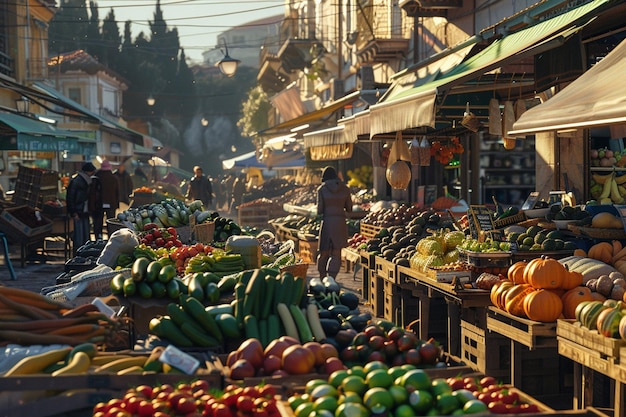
313,318
287,320
228,325
251,327
273,327
267,296
225,308
195,288
165,328
304,330
198,336
196,310
139,268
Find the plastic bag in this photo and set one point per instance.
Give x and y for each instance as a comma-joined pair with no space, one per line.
121,241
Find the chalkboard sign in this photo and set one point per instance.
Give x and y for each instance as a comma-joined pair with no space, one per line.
482,217
530,202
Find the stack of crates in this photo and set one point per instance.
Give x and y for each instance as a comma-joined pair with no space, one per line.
35,186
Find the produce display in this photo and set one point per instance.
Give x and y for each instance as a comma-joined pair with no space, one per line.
378,389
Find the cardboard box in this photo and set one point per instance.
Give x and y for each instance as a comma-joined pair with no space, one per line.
16,227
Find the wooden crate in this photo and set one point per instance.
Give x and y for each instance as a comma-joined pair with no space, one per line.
392,303
572,330
368,259
486,352
376,294
365,283
369,230
532,334
386,270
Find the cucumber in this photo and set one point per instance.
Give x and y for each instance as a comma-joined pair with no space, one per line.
211,293
286,289
165,328
177,314
252,293
152,271
139,268
225,308
263,332
196,310
304,330
196,288
226,284
199,337
273,327
211,277
268,296
251,327
228,325
173,289
117,284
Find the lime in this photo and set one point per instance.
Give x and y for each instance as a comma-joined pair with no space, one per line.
349,397
378,400
294,401
404,410
324,390
354,383
336,377
399,394
416,379
325,403
421,401
474,406
378,378
396,372
351,410
308,387
304,409
357,370
408,367
440,386
447,403
370,366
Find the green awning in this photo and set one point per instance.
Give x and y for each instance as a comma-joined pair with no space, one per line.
25,134
404,108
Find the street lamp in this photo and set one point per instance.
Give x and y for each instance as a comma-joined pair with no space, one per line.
227,65
150,100
22,105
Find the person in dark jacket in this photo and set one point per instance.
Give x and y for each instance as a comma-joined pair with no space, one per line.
109,200
333,202
200,188
125,183
77,200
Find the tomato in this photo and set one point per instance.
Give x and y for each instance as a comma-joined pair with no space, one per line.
172,231
178,243
159,241
267,391
528,408
222,410
192,251
512,408
230,398
245,403
145,409
148,238
496,407
185,405
487,380
169,244
508,397
259,412
251,391
156,233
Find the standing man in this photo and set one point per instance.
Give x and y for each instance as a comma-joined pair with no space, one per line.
200,188
239,189
77,200
333,202
125,183
109,198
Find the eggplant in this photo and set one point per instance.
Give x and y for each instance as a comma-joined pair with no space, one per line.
316,286
330,326
337,309
325,314
330,284
349,299
359,321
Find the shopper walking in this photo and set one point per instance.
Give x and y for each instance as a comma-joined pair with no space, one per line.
77,200
239,189
109,199
200,188
125,183
333,202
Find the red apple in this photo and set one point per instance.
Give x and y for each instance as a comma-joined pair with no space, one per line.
242,369
333,364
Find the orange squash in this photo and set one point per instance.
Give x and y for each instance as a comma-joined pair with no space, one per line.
543,305
572,279
545,273
572,298
514,299
497,290
516,272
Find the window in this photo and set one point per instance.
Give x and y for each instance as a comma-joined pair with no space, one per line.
73,93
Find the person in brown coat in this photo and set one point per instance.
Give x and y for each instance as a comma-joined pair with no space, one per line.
333,202
109,200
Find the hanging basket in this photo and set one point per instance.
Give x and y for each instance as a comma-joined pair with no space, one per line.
415,152
470,121
424,152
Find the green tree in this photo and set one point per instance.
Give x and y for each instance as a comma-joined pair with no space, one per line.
68,28
93,39
112,41
254,112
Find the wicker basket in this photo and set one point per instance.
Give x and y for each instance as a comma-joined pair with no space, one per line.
297,270
96,286
507,221
597,233
204,232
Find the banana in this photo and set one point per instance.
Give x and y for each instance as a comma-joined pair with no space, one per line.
601,179
606,188
616,197
620,179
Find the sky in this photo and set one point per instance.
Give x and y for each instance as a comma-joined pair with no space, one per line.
198,21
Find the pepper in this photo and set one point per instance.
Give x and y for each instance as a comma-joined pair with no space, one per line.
150,226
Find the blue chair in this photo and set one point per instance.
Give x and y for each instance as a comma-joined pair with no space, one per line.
7,258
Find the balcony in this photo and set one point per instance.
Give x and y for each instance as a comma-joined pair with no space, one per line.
429,8
382,50
6,65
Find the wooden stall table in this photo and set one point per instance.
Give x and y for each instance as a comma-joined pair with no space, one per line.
592,352
534,358
458,300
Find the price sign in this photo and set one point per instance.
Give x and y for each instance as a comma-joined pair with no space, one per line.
531,200
481,217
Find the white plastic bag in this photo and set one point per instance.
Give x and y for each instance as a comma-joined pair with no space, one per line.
121,241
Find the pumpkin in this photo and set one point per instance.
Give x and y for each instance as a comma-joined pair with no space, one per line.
580,252
543,305
622,327
597,296
398,175
497,290
572,280
545,273
608,322
572,298
514,299
516,272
